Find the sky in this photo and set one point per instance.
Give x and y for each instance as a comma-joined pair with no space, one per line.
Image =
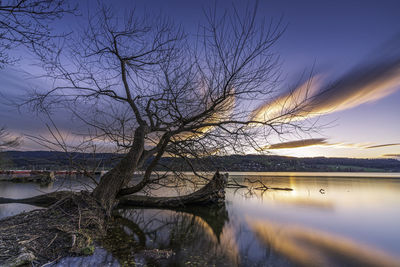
339,39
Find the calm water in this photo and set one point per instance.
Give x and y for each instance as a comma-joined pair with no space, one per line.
324,221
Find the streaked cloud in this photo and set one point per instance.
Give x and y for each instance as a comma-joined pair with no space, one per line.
323,142
366,83
298,143
282,108
384,145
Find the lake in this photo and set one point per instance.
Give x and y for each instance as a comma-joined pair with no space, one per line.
328,219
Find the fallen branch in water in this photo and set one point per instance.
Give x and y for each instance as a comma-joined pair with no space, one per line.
261,185
235,185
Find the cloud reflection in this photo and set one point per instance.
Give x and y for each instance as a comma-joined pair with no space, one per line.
309,247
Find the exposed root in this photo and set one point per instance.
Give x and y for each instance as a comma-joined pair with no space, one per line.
68,227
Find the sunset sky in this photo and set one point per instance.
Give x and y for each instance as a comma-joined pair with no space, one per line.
350,41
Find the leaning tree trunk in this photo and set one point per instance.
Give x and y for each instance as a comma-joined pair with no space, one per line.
113,181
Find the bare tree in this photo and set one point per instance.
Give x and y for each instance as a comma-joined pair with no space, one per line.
7,141
145,86
26,23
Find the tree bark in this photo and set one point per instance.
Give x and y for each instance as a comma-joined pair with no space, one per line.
113,181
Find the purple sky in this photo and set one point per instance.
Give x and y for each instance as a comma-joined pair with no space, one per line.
335,35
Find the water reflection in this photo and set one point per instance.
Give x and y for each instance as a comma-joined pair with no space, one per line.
26,190
199,237
308,247
333,221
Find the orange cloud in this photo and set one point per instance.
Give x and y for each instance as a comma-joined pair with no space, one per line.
367,83
298,143
324,143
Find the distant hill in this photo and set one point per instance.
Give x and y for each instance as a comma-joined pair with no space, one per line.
47,160
59,160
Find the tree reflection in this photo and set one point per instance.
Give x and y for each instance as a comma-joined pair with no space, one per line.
194,236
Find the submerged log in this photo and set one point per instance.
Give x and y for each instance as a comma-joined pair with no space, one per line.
211,193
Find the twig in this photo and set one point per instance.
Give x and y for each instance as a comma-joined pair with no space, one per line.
235,185
51,242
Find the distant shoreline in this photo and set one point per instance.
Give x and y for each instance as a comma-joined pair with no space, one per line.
45,160
388,175
304,174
